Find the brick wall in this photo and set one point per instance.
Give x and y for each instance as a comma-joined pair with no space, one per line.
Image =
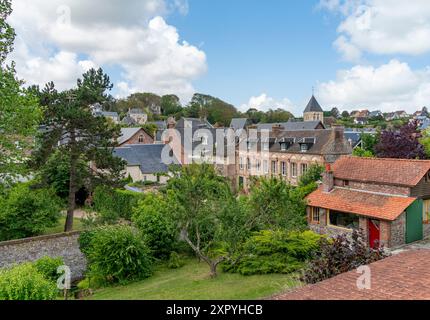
60,245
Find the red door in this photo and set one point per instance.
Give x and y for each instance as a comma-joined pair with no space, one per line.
374,233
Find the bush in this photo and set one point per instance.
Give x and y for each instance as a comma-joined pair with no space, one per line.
118,254
48,266
114,204
85,241
153,218
24,282
175,261
340,255
275,252
27,212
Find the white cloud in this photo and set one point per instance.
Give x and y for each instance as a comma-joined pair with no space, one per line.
381,26
389,87
58,39
263,103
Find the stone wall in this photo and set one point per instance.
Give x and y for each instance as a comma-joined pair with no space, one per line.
63,245
398,231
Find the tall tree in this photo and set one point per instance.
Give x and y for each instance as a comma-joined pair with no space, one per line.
81,137
19,111
401,144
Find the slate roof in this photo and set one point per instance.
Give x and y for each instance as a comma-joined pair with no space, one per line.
110,114
313,106
360,202
401,172
292,125
238,123
127,134
136,111
146,156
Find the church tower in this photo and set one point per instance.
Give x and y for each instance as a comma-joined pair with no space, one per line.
313,111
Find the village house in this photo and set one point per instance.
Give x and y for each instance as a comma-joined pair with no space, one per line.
131,136
135,117
388,199
144,162
288,154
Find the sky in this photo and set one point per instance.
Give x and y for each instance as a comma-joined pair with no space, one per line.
353,54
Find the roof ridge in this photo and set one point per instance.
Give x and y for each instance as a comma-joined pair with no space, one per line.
388,159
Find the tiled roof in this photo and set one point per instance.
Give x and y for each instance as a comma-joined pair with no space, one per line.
400,277
386,171
362,203
313,106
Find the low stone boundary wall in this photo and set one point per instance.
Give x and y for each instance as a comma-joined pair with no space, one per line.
64,245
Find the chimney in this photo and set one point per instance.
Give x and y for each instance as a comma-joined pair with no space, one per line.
328,179
339,134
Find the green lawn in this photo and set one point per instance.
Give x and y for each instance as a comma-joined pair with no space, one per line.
192,282
59,228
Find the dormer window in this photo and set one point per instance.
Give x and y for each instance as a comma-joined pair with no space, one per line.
304,147
283,146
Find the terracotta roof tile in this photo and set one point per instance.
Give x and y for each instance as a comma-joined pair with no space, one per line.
387,171
400,277
361,203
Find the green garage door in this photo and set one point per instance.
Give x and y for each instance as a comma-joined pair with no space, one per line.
414,223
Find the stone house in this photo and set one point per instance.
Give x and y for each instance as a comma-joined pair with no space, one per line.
288,154
388,199
135,117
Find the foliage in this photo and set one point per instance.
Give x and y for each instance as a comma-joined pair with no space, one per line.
425,141
82,136
210,219
26,211
154,219
19,110
312,175
278,115
118,254
342,254
114,204
48,267
24,282
401,144
360,152
287,212
170,105
277,251
175,261
151,129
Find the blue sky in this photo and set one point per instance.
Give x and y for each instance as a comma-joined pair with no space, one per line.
358,54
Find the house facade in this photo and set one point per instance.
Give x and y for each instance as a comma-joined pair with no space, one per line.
288,154
132,136
388,199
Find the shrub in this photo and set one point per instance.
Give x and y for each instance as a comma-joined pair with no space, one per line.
27,212
275,252
152,217
48,266
118,254
175,261
24,282
342,254
114,204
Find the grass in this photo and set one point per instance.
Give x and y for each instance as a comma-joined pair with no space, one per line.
59,228
192,282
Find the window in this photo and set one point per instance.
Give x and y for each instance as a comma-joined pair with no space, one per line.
343,220
346,183
266,166
241,163
274,167
304,168
283,168
141,139
315,215
304,147
266,146
283,146
248,164
294,170
426,212
258,165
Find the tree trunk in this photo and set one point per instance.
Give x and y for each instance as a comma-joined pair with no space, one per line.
213,266
72,196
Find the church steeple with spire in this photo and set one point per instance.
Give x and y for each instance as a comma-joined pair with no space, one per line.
313,111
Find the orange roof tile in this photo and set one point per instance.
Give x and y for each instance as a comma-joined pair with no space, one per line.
362,203
386,171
